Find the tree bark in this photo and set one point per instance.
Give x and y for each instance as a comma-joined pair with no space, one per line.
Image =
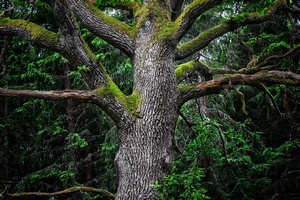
145,126
146,143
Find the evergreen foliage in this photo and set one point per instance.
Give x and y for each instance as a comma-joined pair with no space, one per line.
240,144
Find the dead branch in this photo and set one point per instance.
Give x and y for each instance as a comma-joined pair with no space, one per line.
64,192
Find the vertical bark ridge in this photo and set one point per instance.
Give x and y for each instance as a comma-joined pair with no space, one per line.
146,144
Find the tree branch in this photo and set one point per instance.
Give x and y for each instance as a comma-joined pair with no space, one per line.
75,49
186,69
64,192
215,86
262,87
191,13
107,28
31,32
79,95
204,38
113,104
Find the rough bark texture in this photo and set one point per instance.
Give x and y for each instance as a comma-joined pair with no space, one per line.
146,119
146,144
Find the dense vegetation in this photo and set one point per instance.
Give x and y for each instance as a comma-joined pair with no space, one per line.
242,143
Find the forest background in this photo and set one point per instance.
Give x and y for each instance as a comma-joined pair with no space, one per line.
242,143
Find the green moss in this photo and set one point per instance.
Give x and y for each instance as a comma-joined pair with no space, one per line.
133,101
142,14
204,38
162,19
167,31
112,90
185,68
187,88
116,24
35,30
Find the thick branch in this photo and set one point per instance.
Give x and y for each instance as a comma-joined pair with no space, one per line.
216,85
191,13
114,105
112,30
31,32
204,38
64,192
79,95
186,69
76,50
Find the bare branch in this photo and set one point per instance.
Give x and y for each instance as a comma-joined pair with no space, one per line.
64,192
113,104
216,85
275,58
80,95
204,38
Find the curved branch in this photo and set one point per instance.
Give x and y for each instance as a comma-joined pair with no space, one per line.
216,85
115,105
191,13
204,38
188,68
64,192
31,32
107,28
76,50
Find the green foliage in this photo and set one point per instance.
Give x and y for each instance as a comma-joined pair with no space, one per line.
117,64
75,140
108,151
222,158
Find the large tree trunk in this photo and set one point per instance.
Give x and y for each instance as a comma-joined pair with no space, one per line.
146,143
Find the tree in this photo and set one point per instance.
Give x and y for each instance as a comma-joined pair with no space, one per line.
146,118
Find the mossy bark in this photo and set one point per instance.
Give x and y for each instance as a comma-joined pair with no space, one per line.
146,143
146,119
